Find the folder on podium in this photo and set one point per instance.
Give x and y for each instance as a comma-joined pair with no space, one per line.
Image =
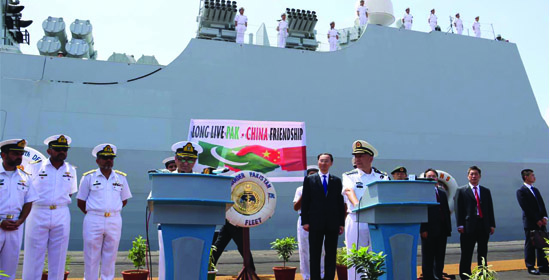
394,211
188,207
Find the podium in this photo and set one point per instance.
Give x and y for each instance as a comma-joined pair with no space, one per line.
188,207
394,211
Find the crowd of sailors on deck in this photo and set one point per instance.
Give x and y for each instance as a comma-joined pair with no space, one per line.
37,198
362,12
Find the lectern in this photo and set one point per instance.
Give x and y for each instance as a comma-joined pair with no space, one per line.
188,207
394,211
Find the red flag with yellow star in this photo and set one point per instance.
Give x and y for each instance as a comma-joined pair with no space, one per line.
290,158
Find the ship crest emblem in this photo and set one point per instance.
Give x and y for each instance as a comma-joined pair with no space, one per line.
249,198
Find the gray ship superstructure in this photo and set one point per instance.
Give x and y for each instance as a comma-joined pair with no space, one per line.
400,90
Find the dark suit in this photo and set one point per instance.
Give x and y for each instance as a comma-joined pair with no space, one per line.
476,229
534,210
434,247
325,215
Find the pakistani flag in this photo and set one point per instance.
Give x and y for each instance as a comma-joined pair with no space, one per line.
218,156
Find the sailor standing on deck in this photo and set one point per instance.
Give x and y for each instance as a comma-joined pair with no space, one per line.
49,223
354,183
303,236
407,19
432,20
282,28
102,194
458,24
170,164
332,37
186,155
16,196
362,13
241,23
477,28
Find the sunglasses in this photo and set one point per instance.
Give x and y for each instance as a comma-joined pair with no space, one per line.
60,149
188,160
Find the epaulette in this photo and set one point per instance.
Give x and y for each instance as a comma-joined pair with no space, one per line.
380,172
22,168
89,172
354,171
121,173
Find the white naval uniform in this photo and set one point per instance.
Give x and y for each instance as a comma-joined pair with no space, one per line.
241,27
303,243
408,21
102,223
433,21
363,19
49,223
332,40
357,181
16,189
477,29
459,26
283,33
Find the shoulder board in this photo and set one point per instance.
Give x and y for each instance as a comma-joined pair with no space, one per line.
378,171
89,172
36,161
354,171
20,167
121,173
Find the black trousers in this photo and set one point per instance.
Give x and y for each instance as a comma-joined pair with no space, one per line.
228,232
530,251
433,257
316,238
467,244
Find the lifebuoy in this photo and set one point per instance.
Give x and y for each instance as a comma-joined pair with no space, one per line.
254,199
448,182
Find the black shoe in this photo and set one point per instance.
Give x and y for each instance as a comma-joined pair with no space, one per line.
533,271
543,269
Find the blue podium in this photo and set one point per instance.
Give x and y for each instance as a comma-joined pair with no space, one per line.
188,207
394,211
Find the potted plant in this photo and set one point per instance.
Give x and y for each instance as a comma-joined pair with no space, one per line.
137,256
341,267
368,264
67,266
482,272
212,271
284,247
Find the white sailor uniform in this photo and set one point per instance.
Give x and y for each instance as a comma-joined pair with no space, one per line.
433,21
241,27
332,40
102,223
357,180
16,189
362,10
477,29
303,243
459,26
49,223
283,33
408,21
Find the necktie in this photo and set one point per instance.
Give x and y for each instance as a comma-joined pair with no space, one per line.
478,205
439,206
325,184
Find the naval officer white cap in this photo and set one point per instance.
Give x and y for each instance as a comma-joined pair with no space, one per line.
13,145
105,149
58,141
187,149
167,160
363,147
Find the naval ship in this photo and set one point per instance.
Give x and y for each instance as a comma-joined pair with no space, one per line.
414,119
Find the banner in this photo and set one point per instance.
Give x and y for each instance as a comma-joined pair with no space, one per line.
276,149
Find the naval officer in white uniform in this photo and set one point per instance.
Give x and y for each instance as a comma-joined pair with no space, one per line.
282,28
16,197
49,223
407,19
241,23
332,37
303,236
432,20
477,27
354,183
102,194
170,164
458,24
362,13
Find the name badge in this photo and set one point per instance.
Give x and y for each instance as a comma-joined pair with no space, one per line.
359,185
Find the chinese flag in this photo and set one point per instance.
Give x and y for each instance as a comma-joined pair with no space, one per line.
290,159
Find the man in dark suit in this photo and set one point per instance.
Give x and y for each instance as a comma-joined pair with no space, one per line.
323,215
434,233
535,217
475,220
